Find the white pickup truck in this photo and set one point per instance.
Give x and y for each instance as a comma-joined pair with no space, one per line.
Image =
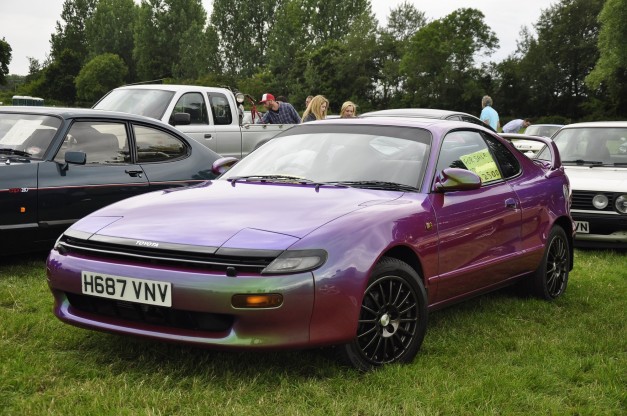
212,116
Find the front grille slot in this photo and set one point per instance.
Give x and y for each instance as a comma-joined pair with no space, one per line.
150,314
163,257
583,200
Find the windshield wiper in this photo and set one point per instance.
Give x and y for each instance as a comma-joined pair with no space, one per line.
9,151
581,162
387,186
270,178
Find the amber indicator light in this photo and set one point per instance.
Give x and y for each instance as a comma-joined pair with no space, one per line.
270,300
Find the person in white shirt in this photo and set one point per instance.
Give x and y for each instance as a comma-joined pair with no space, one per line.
515,125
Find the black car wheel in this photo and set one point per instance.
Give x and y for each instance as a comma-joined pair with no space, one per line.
551,278
392,320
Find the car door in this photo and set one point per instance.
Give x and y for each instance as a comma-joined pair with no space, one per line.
68,192
165,158
228,131
200,128
479,230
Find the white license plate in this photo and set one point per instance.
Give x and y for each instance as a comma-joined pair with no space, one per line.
582,227
130,289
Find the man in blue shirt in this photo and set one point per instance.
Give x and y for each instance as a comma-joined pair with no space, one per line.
278,112
489,115
515,125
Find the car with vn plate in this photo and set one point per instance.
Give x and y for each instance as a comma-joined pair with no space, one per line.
59,164
594,155
342,232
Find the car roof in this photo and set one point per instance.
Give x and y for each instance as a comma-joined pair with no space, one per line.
596,124
170,87
415,112
518,135
427,123
67,112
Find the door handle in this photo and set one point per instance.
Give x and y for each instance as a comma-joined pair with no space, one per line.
207,135
510,203
134,173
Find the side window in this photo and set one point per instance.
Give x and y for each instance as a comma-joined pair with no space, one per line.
103,143
193,104
221,109
467,150
473,121
157,146
508,163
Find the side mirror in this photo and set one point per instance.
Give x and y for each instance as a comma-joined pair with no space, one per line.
223,164
74,158
455,179
180,119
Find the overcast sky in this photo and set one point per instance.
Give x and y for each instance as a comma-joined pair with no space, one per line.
27,24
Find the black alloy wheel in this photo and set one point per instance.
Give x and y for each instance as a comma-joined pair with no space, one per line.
551,278
393,317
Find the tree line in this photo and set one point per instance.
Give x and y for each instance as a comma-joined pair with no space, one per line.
572,66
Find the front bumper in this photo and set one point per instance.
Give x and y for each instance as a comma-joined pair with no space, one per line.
201,313
605,230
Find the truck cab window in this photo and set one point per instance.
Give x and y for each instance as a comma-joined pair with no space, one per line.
193,104
221,109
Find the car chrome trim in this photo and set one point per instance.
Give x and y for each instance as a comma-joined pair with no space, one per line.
56,223
598,211
19,226
243,252
161,246
173,254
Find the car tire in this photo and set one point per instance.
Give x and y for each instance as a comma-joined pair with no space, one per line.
392,319
549,281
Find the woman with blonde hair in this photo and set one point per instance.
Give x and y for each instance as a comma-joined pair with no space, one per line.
349,109
317,109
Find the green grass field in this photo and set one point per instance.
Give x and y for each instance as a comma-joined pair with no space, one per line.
498,354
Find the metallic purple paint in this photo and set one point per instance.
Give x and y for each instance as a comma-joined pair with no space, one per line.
460,244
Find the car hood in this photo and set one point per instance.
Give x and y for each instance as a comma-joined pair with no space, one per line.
218,214
608,179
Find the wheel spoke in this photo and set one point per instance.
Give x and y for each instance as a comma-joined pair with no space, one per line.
388,320
369,331
408,309
557,265
367,309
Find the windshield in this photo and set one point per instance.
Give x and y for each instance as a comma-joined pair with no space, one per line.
341,153
606,146
149,103
541,130
26,134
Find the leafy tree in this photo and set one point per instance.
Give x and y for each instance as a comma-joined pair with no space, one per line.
403,22
242,27
304,31
563,54
440,61
160,29
100,75
332,19
198,53
5,60
610,70
287,36
71,35
57,81
110,30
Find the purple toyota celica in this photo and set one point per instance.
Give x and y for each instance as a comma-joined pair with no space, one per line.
339,232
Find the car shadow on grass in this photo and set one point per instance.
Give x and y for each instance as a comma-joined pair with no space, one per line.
128,354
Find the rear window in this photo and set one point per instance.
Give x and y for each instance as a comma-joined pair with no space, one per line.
149,103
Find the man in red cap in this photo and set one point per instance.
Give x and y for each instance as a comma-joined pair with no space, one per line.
278,112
